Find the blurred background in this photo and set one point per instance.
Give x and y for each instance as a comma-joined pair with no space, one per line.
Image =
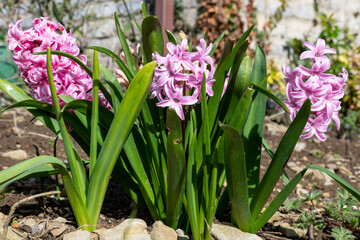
281,26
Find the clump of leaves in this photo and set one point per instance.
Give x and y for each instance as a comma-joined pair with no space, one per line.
345,209
342,234
294,204
317,153
308,218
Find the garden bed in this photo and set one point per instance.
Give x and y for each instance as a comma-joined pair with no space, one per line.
18,132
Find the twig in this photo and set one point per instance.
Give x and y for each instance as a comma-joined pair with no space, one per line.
40,135
13,207
311,232
274,116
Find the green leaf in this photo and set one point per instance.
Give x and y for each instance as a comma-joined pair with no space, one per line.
191,192
287,190
241,112
32,104
280,159
272,96
94,113
176,165
171,37
117,59
216,43
242,82
143,9
236,176
116,137
116,90
152,37
253,130
76,166
128,56
31,165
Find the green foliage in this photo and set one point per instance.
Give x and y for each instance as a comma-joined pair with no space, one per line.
308,218
341,233
345,209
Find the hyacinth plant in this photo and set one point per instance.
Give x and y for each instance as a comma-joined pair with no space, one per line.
201,124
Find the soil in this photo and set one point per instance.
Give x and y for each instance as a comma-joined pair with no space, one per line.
18,130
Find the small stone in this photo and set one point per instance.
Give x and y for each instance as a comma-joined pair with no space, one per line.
276,217
291,232
326,195
162,232
18,145
301,191
343,170
300,146
78,235
59,230
181,235
223,232
130,229
11,234
16,155
38,123
60,220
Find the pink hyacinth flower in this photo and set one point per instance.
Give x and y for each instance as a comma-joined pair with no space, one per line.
69,78
323,89
179,76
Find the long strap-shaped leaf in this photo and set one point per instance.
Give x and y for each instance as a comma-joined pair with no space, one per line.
176,164
115,139
76,166
280,158
152,37
94,113
235,165
253,130
128,56
31,165
286,191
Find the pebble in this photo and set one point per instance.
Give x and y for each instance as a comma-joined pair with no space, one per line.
291,232
130,229
224,232
16,155
181,235
78,235
300,146
162,232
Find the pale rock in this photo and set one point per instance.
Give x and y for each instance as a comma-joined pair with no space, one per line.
276,217
275,128
291,232
294,167
130,229
162,232
223,232
332,166
326,195
301,191
11,233
78,235
181,235
38,123
3,217
345,171
16,155
300,146
59,230
60,220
